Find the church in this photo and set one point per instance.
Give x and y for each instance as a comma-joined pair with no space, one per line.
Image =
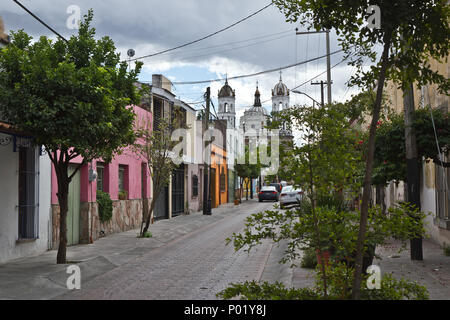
254,121
255,118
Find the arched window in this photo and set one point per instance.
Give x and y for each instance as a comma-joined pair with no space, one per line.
226,108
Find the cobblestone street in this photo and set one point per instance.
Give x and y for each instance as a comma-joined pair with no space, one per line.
195,266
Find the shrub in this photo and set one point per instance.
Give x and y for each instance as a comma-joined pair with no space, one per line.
266,291
340,278
147,234
393,289
309,259
105,206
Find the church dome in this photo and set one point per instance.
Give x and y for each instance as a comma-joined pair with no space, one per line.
280,89
257,110
226,91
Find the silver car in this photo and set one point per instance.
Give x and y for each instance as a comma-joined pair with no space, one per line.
290,196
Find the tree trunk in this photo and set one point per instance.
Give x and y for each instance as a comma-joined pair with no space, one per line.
241,189
63,200
356,290
149,216
412,165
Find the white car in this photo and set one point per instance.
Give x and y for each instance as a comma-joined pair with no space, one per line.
289,196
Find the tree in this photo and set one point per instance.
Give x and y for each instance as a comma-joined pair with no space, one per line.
327,166
155,145
411,32
390,151
246,170
72,97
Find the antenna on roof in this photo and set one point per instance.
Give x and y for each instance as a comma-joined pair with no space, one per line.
130,54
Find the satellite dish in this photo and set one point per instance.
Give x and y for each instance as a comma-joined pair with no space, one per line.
131,53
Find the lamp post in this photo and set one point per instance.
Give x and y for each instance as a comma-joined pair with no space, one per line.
314,100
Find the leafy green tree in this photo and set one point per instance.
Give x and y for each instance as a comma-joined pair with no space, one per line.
72,97
326,162
390,153
411,32
246,170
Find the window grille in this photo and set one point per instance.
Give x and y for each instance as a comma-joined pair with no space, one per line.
195,186
28,205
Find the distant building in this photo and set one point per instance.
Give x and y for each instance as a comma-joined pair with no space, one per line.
254,119
4,38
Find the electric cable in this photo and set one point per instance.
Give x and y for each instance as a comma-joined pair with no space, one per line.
253,74
40,20
205,37
225,50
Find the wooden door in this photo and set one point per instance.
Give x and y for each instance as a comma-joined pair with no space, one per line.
73,215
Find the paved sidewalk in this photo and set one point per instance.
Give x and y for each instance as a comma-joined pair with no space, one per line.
433,272
39,277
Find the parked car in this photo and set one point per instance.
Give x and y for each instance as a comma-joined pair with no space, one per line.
277,185
290,196
268,193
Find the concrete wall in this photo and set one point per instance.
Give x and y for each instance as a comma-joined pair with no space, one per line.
10,248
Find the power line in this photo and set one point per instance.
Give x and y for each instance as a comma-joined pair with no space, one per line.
205,37
231,49
234,42
40,20
254,74
307,81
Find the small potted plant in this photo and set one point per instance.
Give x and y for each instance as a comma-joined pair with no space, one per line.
123,195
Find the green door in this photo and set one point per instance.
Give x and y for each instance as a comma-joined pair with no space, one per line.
73,215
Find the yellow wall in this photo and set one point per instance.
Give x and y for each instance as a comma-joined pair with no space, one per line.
219,163
428,95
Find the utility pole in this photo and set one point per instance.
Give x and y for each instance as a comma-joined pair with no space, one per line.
322,83
207,166
329,82
412,166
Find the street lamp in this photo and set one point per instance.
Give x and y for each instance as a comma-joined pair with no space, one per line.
314,100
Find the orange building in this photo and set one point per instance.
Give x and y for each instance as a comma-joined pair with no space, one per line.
219,176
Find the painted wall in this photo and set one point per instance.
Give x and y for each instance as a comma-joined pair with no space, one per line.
9,215
428,203
127,214
128,158
219,163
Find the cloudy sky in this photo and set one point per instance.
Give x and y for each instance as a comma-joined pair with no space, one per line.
265,41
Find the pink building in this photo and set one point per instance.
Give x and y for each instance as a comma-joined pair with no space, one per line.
126,179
